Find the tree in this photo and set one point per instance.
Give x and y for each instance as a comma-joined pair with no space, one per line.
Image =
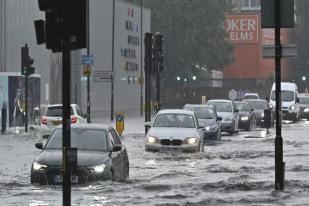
193,33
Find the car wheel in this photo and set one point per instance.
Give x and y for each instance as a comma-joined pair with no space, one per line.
111,175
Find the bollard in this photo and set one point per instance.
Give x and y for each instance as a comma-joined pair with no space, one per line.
4,118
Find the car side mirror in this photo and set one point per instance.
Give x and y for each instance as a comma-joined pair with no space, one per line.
251,110
116,148
147,124
297,100
236,110
85,116
219,118
39,145
45,136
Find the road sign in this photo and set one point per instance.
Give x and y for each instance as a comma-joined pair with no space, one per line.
103,76
287,51
87,59
120,122
87,70
232,94
286,13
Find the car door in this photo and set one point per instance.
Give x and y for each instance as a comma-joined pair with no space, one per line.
115,156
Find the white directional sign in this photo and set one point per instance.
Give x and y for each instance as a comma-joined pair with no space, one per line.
287,51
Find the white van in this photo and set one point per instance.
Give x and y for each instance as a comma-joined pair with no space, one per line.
289,97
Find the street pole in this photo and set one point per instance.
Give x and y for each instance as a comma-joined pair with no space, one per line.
279,164
26,103
141,74
88,53
113,56
158,87
66,117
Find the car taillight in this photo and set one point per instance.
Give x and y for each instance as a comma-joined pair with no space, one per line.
73,119
44,120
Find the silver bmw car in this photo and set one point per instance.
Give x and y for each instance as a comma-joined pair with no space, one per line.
174,130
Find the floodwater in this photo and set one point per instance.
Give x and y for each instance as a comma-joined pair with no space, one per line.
239,170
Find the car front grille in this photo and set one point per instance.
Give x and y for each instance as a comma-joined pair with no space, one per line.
174,142
51,172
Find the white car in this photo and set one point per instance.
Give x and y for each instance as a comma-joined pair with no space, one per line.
251,96
53,116
175,130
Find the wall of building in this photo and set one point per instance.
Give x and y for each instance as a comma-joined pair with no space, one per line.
244,31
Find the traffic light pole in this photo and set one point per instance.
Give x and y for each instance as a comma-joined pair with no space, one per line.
88,53
26,103
66,116
279,164
148,69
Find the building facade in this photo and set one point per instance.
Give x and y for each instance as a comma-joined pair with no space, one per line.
17,29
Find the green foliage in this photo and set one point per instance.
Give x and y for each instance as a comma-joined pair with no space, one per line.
193,33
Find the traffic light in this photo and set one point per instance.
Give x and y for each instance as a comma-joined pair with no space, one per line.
64,21
148,52
26,62
158,50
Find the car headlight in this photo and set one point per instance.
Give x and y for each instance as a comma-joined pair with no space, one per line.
244,118
98,168
191,140
151,139
207,128
38,166
292,107
227,119
262,114
306,110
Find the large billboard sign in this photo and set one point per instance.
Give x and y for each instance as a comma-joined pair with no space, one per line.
242,28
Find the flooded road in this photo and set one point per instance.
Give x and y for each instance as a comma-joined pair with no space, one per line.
239,170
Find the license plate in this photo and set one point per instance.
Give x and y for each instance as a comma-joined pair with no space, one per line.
168,149
56,122
59,179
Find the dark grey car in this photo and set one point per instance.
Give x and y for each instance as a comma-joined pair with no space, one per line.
100,156
304,106
207,118
259,105
247,120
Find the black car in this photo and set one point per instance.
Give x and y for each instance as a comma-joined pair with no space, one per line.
247,119
207,117
259,105
100,156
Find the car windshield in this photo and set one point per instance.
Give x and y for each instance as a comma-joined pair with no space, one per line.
258,105
174,120
243,107
55,111
286,96
222,106
304,100
203,112
83,139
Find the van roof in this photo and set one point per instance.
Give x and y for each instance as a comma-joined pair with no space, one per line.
285,86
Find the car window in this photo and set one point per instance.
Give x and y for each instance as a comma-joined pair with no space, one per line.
203,112
83,139
115,136
286,96
174,120
250,97
259,105
243,107
55,111
304,100
222,106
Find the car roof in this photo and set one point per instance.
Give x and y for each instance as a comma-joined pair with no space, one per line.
176,111
255,100
255,94
88,126
241,102
198,105
303,94
58,105
220,100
